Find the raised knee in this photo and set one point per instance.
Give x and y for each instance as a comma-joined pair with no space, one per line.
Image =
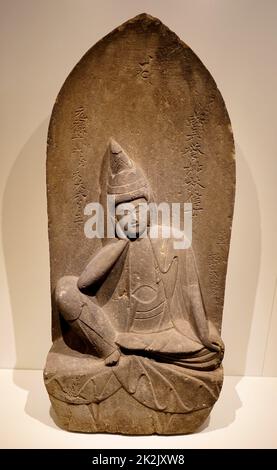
68,297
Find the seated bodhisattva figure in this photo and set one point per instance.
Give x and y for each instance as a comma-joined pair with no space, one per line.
157,309
137,296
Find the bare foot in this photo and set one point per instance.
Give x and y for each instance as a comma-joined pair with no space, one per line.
113,358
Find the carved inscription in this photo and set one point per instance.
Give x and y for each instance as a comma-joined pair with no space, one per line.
194,155
145,68
78,138
216,258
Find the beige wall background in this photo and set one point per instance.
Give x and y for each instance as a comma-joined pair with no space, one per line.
40,42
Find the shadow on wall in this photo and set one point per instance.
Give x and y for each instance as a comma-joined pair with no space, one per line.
243,270
25,241
27,264
224,411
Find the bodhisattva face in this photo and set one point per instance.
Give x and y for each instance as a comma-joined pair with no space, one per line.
132,218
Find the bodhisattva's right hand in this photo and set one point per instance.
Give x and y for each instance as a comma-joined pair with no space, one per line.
101,263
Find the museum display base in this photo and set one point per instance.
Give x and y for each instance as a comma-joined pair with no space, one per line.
244,417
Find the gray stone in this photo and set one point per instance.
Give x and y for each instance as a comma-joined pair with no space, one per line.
136,321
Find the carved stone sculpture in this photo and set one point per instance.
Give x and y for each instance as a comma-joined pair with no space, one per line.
136,320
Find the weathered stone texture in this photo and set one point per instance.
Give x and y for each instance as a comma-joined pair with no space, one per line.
145,88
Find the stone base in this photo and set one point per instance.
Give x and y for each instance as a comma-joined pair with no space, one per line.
110,417
139,396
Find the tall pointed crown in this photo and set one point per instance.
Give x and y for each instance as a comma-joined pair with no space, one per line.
126,181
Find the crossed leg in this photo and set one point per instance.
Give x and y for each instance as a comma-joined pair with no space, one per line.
87,319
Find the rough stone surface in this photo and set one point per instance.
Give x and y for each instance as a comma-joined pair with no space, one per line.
136,323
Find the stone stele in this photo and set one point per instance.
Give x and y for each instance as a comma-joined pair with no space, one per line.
136,321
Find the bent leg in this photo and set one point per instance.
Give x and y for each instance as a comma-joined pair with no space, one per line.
86,318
